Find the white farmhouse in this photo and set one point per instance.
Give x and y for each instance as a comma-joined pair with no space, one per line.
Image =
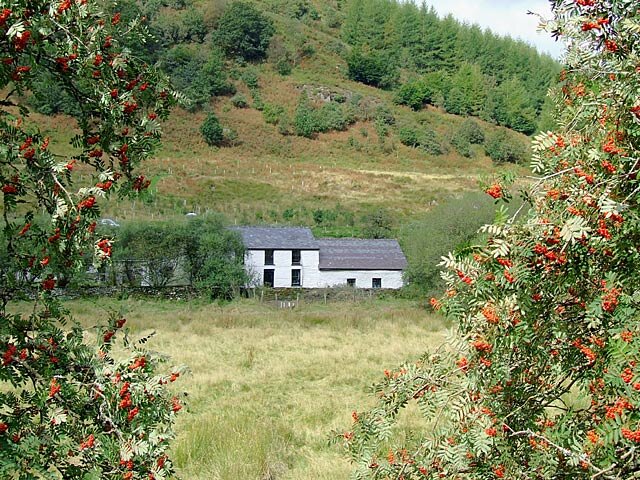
284,257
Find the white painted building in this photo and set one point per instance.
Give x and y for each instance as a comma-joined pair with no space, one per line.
284,257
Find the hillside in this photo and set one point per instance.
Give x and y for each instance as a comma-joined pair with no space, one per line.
371,153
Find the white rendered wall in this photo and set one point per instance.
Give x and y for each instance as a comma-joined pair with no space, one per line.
311,276
309,273
364,278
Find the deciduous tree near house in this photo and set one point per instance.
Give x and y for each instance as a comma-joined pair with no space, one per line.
541,379
68,407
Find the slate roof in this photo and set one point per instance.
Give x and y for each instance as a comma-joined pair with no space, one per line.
277,238
359,254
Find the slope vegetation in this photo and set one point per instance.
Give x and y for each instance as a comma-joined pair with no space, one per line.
340,110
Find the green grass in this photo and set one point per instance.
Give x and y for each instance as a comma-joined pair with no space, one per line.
268,385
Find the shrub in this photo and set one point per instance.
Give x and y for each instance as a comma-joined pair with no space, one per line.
382,129
462,145
449,227
414,94
305,120
212,11
239,101
471,131
333,116
272,113
284,66
289,214
467,134
427,140
250,78
309,120
430,142
324,217
284,125
212,131
332,19
173,27
194,27
384,115
408,136
230,137
296,9
305,49
243,31
281,57
502,148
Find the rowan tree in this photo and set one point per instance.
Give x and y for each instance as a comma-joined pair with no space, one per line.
69,408
541,377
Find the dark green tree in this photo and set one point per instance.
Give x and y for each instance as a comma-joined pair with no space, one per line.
373,68
449,226
149,252
366,23
243,31
414,94
513,107
215,257
472,90
417,39
198,74
194,27
212,130
423,49
378,224
49,98
456,102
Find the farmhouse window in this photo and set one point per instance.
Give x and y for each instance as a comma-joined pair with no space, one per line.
295,257
268,257
295,277
376,283
268,277
351,282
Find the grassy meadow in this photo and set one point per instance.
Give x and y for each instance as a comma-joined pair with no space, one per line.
267,385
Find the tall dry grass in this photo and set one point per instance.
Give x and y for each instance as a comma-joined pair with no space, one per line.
268,385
